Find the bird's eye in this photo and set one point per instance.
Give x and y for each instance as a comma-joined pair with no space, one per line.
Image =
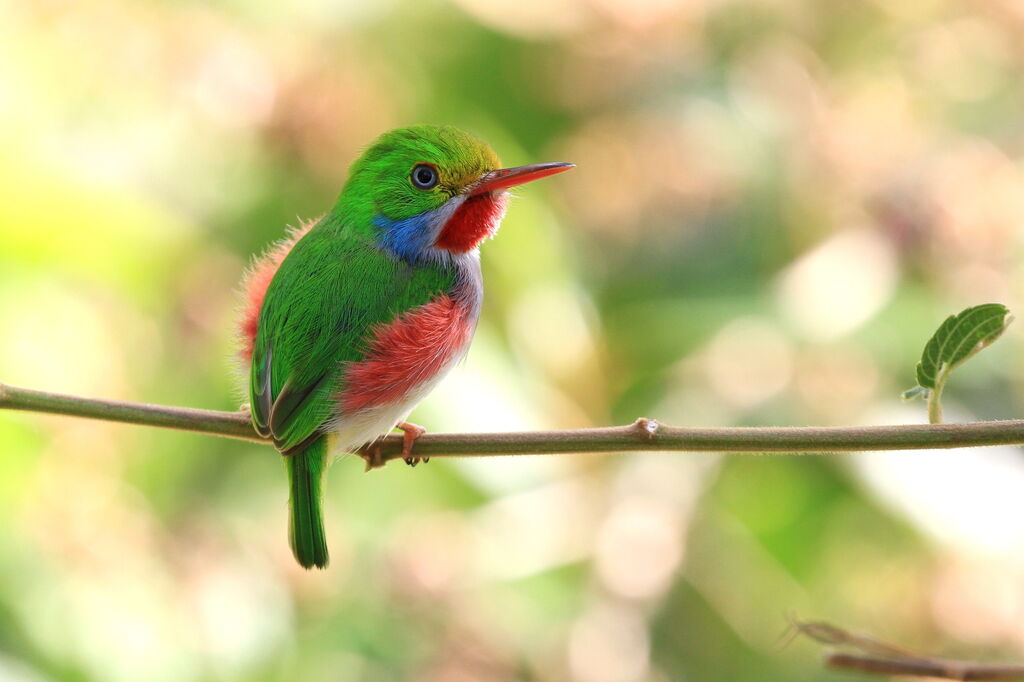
424,176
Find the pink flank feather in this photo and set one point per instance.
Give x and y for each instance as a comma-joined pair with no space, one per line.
256,282
407,352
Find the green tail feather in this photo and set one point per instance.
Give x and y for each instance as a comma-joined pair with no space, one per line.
306,520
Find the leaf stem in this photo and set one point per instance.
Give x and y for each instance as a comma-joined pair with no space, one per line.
935,403
643,435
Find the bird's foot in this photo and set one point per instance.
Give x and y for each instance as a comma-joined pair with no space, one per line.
410,432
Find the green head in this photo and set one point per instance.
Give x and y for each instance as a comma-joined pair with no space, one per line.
432,191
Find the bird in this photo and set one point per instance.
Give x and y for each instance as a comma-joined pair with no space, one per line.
350,320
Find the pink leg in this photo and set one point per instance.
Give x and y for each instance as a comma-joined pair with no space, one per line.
410,432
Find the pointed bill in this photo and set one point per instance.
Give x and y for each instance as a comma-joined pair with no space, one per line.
518,175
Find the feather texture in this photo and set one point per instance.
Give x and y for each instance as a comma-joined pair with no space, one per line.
305,519
475,220
352,319
407,352
257,280
328,295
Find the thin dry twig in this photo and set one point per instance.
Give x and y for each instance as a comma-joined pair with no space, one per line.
862,653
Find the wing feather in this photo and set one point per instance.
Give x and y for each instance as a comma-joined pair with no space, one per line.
327,296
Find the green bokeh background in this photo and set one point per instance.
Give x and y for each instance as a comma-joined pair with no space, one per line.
776,203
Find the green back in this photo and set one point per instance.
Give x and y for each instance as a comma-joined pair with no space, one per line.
330,292
338,282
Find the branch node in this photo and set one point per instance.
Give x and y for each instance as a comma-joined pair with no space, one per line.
648,434
648,427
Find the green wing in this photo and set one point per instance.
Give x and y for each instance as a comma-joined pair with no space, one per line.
319,311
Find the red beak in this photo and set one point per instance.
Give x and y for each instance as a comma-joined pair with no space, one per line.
510,177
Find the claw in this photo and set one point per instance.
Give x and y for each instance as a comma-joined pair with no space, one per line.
410,432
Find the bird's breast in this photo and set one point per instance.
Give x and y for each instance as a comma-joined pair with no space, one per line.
407,353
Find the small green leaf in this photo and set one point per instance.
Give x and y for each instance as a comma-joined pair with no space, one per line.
955,341
958,338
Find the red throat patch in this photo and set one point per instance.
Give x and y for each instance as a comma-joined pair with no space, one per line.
475,220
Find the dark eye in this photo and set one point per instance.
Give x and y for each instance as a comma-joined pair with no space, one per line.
424,176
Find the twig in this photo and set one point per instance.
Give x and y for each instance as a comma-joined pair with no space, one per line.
229,424
868,655
644,434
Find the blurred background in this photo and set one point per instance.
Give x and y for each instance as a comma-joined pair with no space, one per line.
776,204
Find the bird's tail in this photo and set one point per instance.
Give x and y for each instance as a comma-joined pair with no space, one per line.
306,520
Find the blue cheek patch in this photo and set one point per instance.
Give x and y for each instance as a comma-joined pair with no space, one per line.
407,238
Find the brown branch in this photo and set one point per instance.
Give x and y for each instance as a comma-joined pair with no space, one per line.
855,652
643,435
868,655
